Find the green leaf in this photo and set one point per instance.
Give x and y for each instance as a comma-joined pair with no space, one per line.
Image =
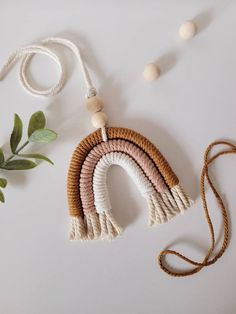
3,182
1,157
2,198
19,164
43,136
37,122
16,134
36,156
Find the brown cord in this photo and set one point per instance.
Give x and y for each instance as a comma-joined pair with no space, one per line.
205,175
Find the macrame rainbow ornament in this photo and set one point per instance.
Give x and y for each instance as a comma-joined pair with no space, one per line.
89,203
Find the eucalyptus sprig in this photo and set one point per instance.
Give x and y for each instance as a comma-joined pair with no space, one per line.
37,133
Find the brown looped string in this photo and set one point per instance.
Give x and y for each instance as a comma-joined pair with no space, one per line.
205,177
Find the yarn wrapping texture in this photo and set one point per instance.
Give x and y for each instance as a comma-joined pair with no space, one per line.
89,204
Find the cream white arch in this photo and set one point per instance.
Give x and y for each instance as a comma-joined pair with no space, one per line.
101,196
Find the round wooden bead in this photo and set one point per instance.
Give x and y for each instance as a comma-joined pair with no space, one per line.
94,104
99,119
151,72
187,30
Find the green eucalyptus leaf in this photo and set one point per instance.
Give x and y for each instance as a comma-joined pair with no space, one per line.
2,198
37,122
43,136
16,134
36,156
19,164
1,157
3,182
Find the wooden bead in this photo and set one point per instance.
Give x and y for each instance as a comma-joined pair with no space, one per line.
151,72
187,30
94,104
99,119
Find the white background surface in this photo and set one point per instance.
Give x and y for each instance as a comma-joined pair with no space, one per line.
191,105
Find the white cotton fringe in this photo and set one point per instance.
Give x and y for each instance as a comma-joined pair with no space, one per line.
181,197
94,226
164,206
77,229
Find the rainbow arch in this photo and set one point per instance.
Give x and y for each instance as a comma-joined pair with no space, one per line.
89,204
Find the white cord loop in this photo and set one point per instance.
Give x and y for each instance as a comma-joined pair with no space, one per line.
28,52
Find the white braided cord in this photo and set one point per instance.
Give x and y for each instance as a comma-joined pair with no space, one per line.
27,52
101,196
